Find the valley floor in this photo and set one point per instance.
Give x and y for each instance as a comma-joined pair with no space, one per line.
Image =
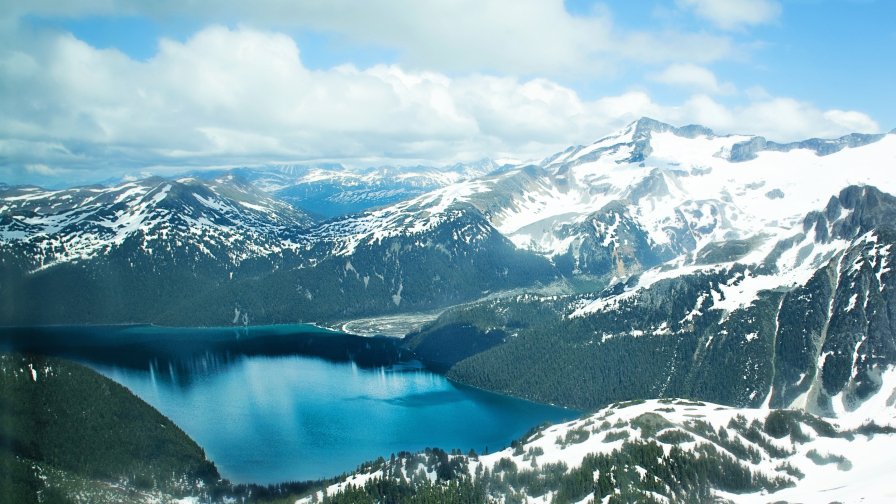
388,325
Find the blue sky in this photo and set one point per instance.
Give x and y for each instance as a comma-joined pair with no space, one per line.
103,89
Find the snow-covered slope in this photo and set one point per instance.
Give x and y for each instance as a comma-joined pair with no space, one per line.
413,217
672,450
679,180
223,219
653,192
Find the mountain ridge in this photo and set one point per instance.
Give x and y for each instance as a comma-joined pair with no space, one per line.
596,216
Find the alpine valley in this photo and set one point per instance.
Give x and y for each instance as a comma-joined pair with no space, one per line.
755,279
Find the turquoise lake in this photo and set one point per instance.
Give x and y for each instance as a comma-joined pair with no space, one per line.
265,409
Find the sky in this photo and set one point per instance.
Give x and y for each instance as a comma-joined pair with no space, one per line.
100,90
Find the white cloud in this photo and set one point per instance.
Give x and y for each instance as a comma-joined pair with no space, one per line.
852,120
693,77
777,118
241,96
43,170
231,95
530,37
781,119
757,93
733,14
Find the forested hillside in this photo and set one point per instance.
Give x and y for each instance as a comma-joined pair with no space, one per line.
68,430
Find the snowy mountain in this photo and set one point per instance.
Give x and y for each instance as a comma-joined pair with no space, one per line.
653,192
651,199
128,253
220,251
667,450
803,322
225,219
741,282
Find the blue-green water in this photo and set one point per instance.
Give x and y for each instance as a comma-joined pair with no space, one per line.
264,416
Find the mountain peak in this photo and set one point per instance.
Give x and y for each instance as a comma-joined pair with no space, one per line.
857,210
642,130
646,125
649,124
636,135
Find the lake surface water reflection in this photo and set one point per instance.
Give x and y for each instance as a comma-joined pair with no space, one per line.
266,409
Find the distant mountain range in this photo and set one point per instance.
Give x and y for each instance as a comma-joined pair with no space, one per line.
329,190
300,243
